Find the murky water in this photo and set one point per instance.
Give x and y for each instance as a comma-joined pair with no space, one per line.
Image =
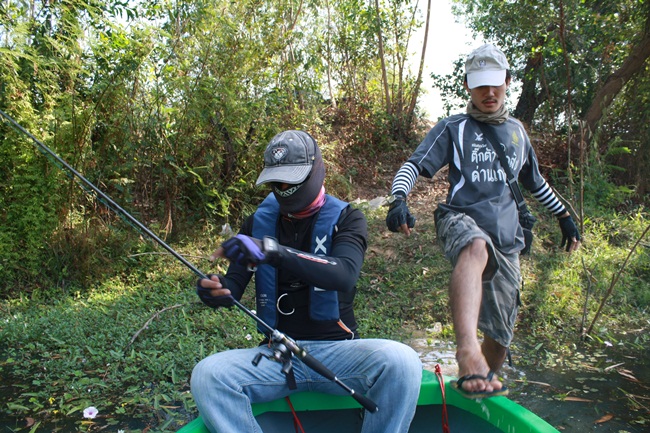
605,390
608,392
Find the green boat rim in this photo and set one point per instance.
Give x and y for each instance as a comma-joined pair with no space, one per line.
502,412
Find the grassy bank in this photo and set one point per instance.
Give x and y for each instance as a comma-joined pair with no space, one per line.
127,345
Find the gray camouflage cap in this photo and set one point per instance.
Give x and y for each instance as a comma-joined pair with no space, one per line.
289,158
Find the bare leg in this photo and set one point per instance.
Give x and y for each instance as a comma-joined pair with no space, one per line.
495,354
465,293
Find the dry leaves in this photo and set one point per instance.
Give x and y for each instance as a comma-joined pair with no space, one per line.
627,374
570,398
604,418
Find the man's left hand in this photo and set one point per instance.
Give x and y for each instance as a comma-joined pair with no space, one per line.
570,234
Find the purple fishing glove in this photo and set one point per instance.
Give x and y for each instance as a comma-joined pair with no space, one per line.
244,250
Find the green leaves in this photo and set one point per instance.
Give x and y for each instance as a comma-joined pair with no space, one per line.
565,50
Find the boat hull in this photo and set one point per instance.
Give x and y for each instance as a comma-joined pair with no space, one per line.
321,413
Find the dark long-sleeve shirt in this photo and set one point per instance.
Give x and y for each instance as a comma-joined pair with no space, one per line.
338,271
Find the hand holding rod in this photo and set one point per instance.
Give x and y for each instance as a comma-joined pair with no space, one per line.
276,335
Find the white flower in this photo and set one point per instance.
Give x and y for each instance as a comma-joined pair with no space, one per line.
249,337
608,344
90,412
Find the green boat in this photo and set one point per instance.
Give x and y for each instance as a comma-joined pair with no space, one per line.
322,413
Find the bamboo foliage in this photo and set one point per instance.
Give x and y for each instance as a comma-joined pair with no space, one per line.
168,105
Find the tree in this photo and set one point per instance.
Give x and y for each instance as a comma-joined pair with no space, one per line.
572,57
167,106
418,82
587,45
634,64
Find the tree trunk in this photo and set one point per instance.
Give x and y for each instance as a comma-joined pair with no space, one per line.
329,57
383,61
615,82
530,99
418,83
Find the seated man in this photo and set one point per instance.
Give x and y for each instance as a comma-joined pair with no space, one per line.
307,268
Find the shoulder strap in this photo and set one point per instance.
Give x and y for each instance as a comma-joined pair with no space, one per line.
492,139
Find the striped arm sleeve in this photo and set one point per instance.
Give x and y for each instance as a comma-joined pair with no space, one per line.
547,197
405,179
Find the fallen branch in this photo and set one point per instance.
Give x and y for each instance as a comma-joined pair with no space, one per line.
151,319
613,366
615,280
584,308
533,382
163,253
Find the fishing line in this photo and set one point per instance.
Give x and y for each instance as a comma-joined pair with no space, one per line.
282,341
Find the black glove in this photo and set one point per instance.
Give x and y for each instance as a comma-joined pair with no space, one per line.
213,301
244,250
569,231
398,214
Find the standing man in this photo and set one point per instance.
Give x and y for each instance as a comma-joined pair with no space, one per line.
308,248
477,225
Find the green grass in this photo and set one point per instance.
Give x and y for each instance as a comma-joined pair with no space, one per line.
65,350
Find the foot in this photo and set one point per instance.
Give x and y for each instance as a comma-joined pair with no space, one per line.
475,374
478,394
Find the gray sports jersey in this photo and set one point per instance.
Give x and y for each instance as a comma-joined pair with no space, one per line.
477,182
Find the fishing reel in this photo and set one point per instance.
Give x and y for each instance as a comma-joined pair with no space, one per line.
280,353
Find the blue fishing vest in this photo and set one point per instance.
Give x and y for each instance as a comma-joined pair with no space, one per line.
323,304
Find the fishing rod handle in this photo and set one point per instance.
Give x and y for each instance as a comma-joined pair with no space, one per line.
319,368
364,401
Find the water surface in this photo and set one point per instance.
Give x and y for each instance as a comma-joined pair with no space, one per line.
577,393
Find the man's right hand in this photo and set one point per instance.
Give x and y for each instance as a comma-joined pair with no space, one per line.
243,250
212,292
399,219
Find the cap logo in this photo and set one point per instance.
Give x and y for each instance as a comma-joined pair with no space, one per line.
279,153
481,63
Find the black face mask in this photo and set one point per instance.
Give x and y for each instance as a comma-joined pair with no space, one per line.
286,190
297,197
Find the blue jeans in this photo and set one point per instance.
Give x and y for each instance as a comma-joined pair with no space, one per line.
389,373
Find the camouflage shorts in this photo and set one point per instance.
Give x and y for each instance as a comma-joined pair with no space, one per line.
501,278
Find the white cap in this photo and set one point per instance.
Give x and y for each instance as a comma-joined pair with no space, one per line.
486,66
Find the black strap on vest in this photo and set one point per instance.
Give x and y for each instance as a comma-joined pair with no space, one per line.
492,139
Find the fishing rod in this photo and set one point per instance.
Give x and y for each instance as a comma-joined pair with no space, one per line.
281,341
